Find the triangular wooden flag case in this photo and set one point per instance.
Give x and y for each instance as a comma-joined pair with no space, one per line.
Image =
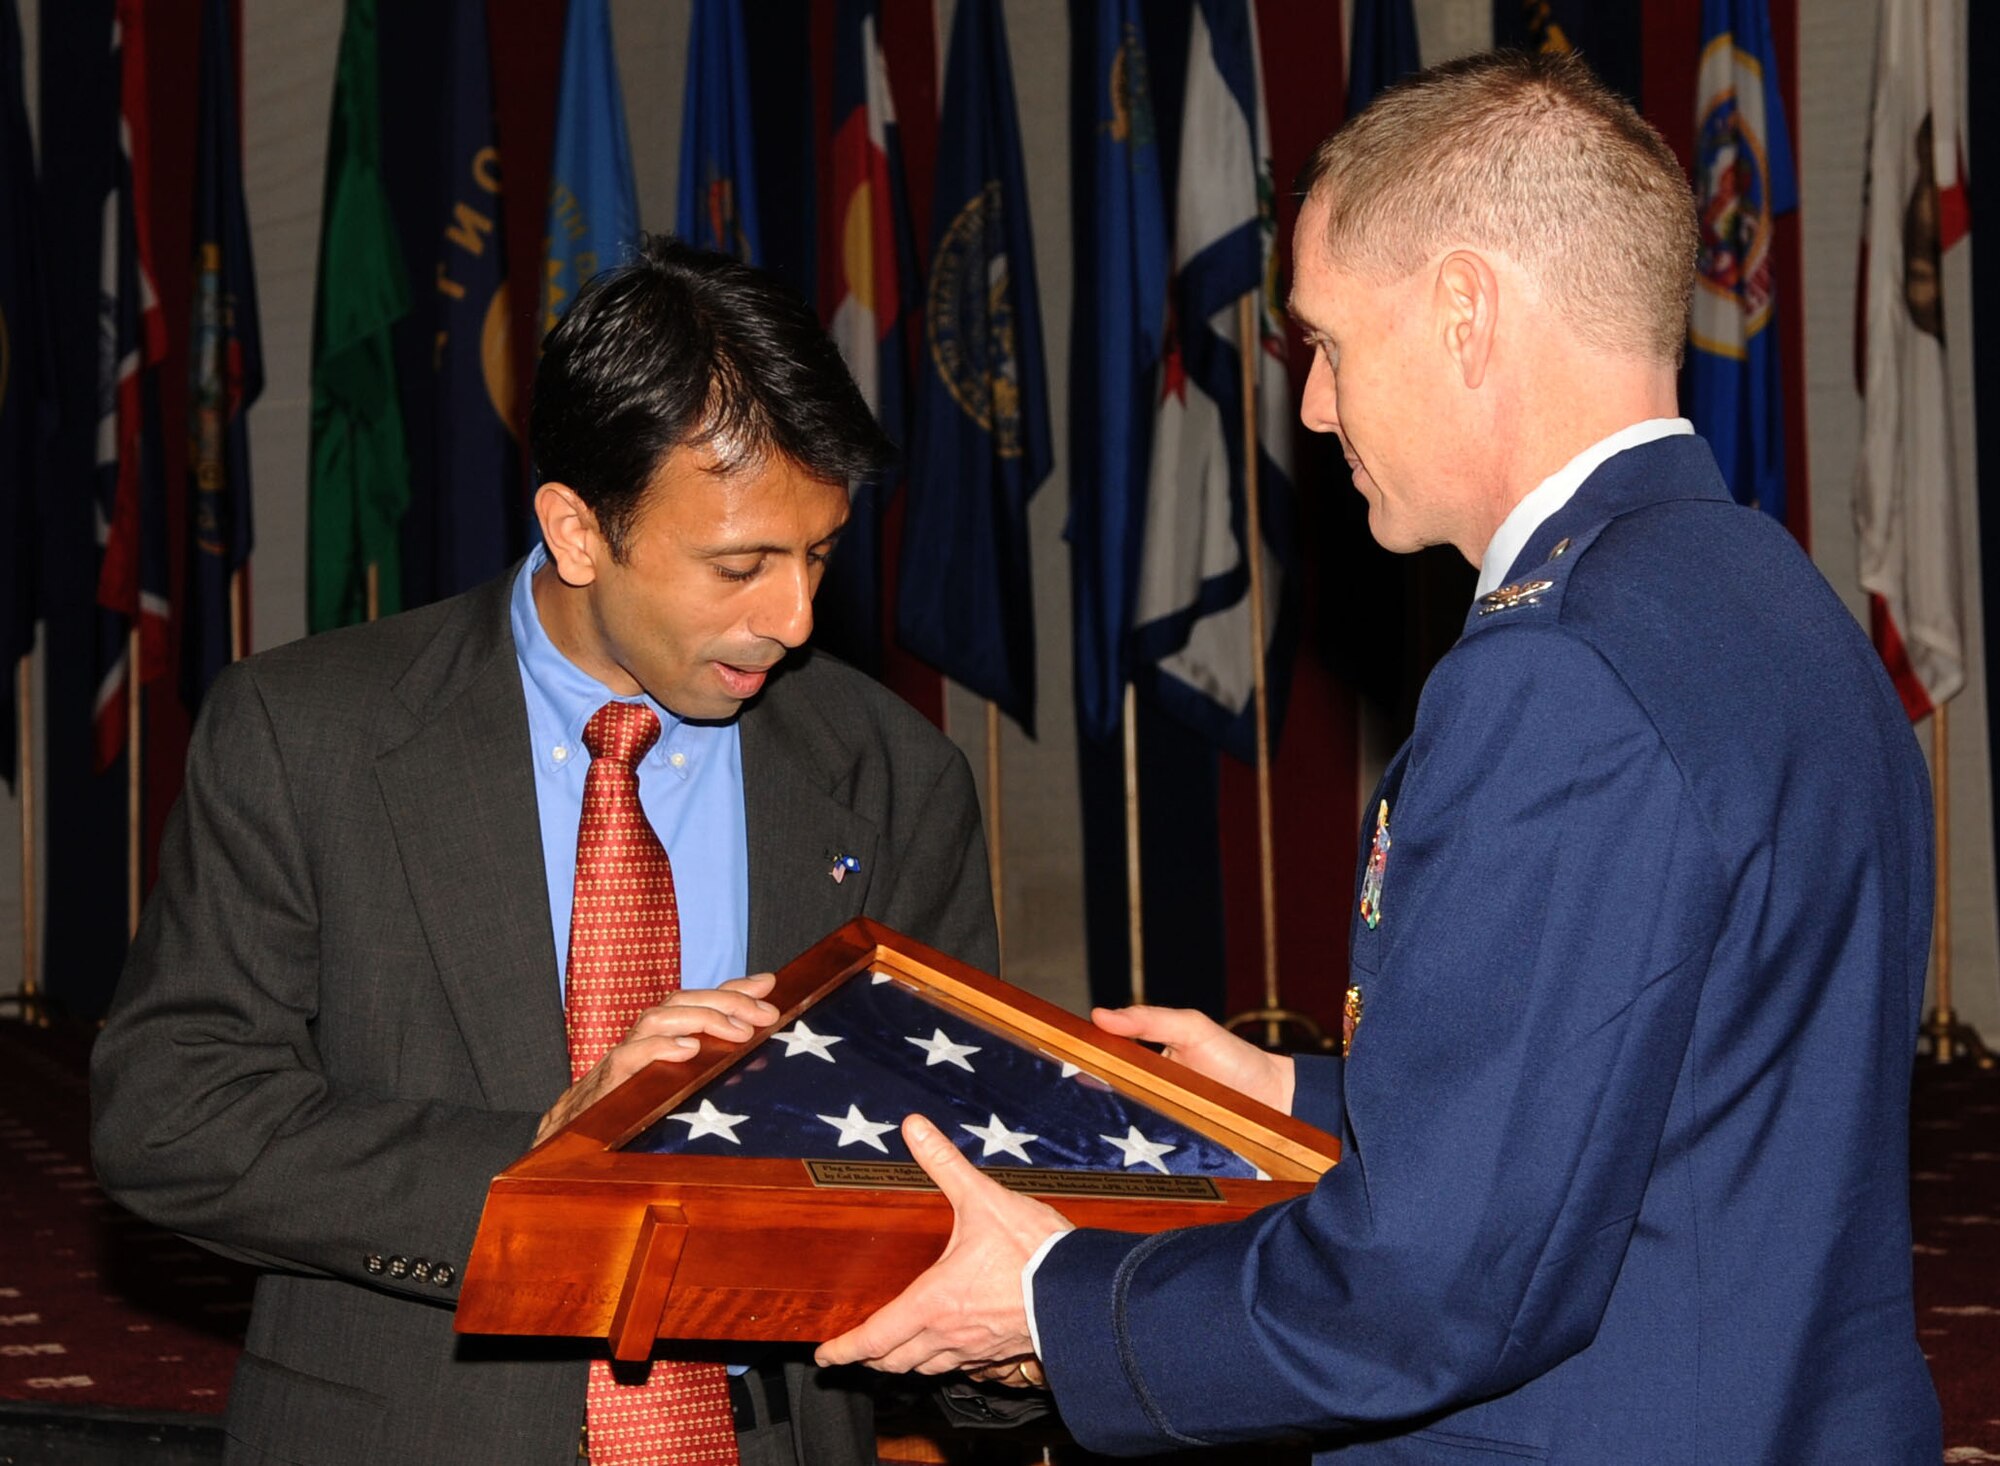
745,1194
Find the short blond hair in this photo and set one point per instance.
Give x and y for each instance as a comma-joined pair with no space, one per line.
1533,156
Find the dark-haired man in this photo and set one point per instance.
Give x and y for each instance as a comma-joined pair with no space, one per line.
1638,948
362,986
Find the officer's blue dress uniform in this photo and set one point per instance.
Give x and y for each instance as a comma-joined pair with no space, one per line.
1626,1112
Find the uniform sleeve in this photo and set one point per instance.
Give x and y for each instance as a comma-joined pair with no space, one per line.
1549,905
213,1114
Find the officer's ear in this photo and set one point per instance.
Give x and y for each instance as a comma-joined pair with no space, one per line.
575,544
1466,300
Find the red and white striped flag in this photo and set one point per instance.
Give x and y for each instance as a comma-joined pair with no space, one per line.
132,586
1906,494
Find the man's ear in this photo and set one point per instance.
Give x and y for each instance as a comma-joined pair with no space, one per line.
569,530
1467,301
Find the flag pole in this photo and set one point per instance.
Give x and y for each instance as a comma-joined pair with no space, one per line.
995,845
1950,1037
1135,913
1267,861
29,997
1273,1015
134,780
236,617
374,591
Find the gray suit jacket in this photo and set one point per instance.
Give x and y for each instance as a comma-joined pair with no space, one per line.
341,1018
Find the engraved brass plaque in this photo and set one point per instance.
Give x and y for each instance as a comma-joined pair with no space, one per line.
907,1176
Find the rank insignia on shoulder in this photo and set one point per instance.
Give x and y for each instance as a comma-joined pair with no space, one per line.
1378,864
1521,593
1350,1019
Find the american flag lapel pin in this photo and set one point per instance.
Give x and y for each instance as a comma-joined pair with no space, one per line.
842,864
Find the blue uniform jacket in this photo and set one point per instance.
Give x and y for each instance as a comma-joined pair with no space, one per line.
1626,1176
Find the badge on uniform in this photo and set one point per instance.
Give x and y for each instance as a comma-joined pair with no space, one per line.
1350,1019
1521,593
1378,862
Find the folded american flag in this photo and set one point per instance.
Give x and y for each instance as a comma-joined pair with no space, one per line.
838,1081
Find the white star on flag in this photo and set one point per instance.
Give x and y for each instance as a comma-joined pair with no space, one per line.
940,1050
708,1120
997,1138
857,1129
1069,1070
1138,1150
799,1039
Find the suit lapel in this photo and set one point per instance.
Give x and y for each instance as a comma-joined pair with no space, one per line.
460,792
797,789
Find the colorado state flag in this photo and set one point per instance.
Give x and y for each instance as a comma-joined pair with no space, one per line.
868,278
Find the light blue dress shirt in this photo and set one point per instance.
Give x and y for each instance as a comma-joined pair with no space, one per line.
690,785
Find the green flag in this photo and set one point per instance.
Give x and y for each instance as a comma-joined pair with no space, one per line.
360,471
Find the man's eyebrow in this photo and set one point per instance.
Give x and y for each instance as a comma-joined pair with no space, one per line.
718,552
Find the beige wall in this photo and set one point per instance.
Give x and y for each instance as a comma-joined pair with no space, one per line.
289,54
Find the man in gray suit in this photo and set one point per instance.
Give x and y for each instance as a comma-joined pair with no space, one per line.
344,1011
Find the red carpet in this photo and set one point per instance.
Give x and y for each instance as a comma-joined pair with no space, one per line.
96,1307
99,1309
1955,1203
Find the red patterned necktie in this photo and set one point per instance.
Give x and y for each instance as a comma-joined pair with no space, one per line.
625,957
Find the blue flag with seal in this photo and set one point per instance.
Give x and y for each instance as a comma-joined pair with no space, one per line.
479,527
982,442
1385,49
225,370
23,382
717,205
593,202
1192,638
1743,180
1121,264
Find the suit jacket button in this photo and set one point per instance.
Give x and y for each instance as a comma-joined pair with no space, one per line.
442,1275
373,1262
420,1269
399,1267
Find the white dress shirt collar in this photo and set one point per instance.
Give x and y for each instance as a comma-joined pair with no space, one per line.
1558,489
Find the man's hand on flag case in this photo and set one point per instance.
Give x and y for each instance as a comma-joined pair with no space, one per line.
965,1311
733,1012
1205,1046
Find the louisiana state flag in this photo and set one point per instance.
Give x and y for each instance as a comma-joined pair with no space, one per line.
1743,181
868,281
717,205
982,444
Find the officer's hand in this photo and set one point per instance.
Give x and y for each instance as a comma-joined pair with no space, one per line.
732,1012
965,1311
1205,1046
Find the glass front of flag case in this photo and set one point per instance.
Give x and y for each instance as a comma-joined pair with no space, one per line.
763,1191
